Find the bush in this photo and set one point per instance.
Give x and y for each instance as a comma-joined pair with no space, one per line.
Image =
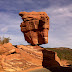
4,40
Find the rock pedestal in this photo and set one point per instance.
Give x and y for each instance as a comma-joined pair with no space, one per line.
35,27
21,58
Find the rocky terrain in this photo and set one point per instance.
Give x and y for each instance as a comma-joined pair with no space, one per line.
20,58
23,58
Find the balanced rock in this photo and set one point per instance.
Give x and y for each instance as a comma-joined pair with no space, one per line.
35,27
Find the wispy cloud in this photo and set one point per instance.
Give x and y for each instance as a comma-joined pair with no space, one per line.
15,6
15,40
9,22
10,27
60,33
59,11
5,29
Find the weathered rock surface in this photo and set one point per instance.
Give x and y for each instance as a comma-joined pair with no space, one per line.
6,48
35,27
20,58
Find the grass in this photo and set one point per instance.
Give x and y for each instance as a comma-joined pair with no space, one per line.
63,53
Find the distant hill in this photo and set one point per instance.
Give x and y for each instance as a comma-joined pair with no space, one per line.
63,53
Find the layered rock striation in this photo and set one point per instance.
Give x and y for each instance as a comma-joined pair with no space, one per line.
35,27
21,58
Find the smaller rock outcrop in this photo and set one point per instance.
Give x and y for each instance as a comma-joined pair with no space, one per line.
20,58
6,48
35,27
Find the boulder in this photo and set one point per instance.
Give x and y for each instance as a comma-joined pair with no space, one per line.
35,27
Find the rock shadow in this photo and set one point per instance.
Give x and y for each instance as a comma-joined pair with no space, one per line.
60,69
51,64
49,59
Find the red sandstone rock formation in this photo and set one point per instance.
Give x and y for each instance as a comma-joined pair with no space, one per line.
25,57
35,27
5,48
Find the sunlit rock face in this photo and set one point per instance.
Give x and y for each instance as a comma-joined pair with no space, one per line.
24,57
35,27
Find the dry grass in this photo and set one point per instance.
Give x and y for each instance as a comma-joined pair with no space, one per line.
63,53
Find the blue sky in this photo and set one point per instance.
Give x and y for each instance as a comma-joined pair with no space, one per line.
59,11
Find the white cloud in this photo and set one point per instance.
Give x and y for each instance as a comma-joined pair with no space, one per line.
15,40
5,29
60,33
9,21
63,12
10,27
9,18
